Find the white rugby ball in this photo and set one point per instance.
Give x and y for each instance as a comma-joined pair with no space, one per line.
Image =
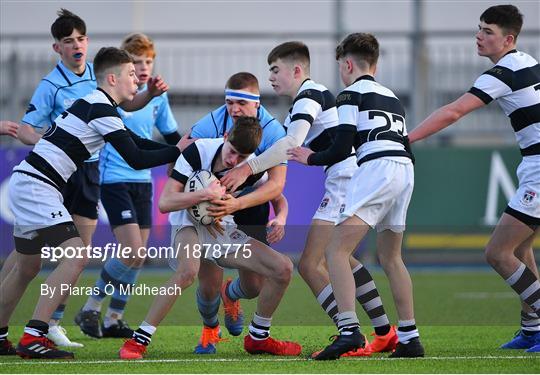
197,181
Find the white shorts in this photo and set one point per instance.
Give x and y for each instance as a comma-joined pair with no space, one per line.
526,201
336,183
231,241
35,205
380,192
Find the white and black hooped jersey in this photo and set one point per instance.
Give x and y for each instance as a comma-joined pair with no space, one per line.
76,134
515,83
378,118
315,104
202,154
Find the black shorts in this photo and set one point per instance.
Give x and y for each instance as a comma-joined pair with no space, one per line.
81,193
252,221
128,202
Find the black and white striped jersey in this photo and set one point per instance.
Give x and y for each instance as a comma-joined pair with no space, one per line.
378,118
515,83
317,105
203,154
75,135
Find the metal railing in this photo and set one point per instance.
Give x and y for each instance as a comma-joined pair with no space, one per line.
197,65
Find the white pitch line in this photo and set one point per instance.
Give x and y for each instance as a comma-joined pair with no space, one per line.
187,360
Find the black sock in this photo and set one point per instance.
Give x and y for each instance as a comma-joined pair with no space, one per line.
142,337
36,328
3,333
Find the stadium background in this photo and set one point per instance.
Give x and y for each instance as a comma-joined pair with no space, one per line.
464,175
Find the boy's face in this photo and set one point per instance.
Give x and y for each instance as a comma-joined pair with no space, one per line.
230,156
238,107
72,50
282,78
126,83
144,65
491,41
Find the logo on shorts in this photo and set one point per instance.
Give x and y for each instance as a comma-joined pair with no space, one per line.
236,235
342,208
126,214
528,198
324,203
55,214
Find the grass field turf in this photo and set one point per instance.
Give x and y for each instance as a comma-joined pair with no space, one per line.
463,317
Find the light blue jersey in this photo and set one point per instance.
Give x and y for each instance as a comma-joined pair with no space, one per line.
113,168
217,122
56,92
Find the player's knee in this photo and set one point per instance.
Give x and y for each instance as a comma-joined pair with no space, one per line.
29,271
493,256
389,263
284,271
306,268
185,278
78,264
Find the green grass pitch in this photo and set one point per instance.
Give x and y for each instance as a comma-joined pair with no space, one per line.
463,317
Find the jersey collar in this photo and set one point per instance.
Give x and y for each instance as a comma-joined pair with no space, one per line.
114,104
365,76
303,83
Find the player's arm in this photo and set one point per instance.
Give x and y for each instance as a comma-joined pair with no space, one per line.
269,190
277,224
445,116
155,87
339,150
37,117
141,153
173,197
276,154
9,128
28,135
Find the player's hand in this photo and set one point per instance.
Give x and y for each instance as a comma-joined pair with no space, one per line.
9,128
299,154
236,177
275,230
185,141
156,86
214,191
215,228
224,206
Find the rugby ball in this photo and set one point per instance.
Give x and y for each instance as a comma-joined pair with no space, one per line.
197,181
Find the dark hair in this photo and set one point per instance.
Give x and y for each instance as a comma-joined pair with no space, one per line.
246,134
139,44
293,51
362,47
109,57
507,17
65,24
242,80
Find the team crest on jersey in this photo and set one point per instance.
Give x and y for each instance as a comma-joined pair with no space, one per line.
324,203
528,197
342,208
236,235
31,108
